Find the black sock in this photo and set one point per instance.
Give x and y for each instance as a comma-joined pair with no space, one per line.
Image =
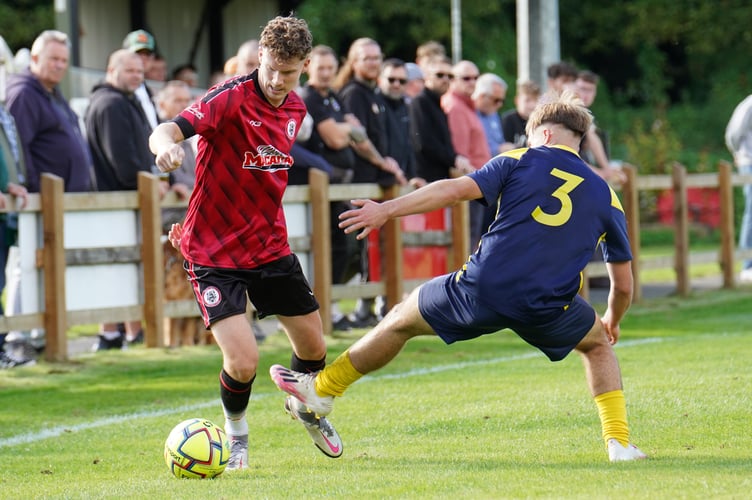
306,366
234,394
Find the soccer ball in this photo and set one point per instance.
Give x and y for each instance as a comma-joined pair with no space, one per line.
197,448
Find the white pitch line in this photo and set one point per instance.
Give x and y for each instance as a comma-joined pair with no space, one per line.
32,437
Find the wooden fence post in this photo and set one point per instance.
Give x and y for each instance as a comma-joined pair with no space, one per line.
393,272
631,205
585,288
152,257
321,244
55,315
460,236
681,234
726,191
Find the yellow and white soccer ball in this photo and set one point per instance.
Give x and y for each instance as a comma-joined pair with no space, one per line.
197,448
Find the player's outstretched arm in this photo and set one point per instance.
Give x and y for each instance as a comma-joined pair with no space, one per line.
619,297
372,215
163,142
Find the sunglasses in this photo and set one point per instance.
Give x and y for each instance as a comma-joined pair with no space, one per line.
444,75
401,81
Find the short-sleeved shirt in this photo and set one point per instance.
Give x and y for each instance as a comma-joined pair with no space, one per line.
322,108
513,126
553,211
235,218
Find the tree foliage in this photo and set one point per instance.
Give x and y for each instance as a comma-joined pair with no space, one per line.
22,20
488,28
659,51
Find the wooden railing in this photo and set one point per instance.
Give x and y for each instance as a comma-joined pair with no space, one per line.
679,182
53,258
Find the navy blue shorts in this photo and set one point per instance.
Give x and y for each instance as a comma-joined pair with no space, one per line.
279,287
456,315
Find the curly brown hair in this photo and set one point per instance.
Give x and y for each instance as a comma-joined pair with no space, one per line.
287,38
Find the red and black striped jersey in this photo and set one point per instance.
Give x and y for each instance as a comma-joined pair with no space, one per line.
235,218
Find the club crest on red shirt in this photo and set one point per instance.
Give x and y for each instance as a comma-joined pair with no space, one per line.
291,128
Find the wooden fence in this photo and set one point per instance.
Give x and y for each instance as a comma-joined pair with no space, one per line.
52,257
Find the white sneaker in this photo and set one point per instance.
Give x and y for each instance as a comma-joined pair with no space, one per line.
238,453
745,276
302,386
620,453
324,435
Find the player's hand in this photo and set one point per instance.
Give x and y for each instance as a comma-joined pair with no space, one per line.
175,235
370,215
170,158
612,329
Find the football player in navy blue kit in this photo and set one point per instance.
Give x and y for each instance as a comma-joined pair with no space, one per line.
525,275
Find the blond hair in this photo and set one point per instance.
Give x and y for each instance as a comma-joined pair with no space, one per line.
345,73
565,109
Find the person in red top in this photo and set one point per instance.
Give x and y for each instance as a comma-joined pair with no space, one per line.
234,237
468,135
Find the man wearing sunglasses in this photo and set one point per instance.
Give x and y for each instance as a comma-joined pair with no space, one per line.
392,83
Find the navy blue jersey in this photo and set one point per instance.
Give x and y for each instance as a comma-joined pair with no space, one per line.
552,212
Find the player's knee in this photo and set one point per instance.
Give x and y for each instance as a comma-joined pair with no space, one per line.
242,368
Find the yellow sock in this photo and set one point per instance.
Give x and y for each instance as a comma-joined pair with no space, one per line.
612,410
337,377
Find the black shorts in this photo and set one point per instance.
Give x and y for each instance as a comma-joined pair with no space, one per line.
279,287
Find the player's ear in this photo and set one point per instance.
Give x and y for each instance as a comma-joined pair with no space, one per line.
548,136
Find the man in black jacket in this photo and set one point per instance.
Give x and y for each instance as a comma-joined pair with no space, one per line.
116,127
432,141
118,134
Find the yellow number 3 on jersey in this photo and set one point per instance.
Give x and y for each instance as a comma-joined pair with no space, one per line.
562,194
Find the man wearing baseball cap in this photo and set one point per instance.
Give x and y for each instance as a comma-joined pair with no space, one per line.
142,43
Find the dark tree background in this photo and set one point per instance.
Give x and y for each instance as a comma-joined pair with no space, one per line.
672,70
22,20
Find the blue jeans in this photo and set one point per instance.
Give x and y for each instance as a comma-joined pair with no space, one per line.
745,232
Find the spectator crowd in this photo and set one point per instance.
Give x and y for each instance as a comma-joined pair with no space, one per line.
371,119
